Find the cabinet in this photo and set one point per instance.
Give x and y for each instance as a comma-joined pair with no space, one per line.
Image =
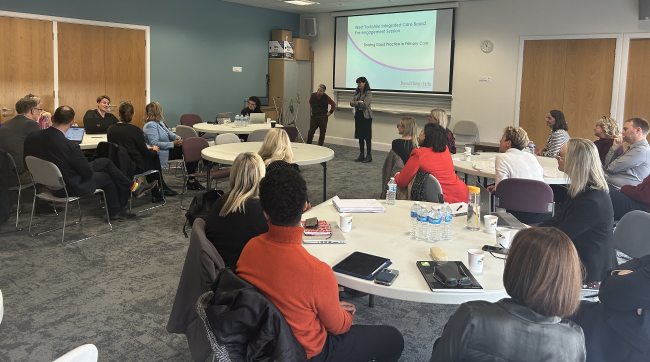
291,81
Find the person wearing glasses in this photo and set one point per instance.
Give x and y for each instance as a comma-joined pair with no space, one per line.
617,328
606,130
587,216
14,132
543,278
439,116
631,167
254,105
102,110
360,104
559,135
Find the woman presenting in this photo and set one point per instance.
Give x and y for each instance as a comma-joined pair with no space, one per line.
363,118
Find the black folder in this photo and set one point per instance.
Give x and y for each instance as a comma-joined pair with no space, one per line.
362,265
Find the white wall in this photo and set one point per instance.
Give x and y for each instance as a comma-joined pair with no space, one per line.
490,105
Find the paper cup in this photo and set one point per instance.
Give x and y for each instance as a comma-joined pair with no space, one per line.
467,156
346,222
475,260
490,222
268,120
503,237
468,149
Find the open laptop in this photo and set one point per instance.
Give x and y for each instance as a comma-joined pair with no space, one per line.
506,219
75,134
257,117
222,116
97,125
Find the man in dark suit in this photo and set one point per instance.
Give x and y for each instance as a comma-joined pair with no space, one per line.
81,177
13,133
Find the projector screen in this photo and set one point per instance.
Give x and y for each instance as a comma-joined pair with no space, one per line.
400,52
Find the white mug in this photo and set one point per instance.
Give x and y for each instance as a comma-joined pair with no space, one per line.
503,237
490,222
475,260
346,222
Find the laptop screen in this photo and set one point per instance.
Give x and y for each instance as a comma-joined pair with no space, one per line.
75,134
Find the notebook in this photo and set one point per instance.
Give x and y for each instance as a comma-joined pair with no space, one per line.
322,229
447,269
75,134
334,237
357,205
362,265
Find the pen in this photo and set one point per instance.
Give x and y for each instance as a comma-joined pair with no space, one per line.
459,207
97,137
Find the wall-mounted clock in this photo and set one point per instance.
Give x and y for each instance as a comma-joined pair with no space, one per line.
487,46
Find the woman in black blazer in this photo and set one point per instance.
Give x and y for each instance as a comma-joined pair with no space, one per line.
618,328
587,216
363,118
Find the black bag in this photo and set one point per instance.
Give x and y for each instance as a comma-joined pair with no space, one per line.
418,192
200,207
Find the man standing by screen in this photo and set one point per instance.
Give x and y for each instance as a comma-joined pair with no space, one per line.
319,114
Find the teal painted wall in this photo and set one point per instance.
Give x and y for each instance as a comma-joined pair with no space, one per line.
194,45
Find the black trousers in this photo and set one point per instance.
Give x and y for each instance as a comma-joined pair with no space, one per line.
116,186
317,121
362,344
623,204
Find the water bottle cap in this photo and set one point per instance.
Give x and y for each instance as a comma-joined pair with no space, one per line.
417,202
473,189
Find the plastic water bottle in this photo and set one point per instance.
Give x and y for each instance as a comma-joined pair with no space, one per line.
531,147
447,215
391,191
435,220
423,224
414,217
246,120
238,120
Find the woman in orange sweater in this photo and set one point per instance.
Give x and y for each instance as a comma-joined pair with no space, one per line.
433,157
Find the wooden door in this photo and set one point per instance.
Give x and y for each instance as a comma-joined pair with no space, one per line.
26,65
588,84
574,76
124,64
81,67
542,86
637,89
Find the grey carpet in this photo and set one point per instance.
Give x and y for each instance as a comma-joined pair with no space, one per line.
116,290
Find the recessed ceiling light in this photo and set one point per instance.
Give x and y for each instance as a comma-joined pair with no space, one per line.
300,2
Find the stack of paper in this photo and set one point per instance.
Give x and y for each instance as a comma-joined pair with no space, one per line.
358,205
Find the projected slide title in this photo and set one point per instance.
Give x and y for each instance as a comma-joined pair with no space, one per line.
384,28
394,51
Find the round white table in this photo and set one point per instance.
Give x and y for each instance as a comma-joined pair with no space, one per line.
230,128
387,235
482,165
304,154
91,141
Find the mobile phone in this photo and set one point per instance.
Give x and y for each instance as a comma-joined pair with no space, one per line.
495,249
387,276
311,223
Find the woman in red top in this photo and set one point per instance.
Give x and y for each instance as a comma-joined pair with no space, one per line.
433,157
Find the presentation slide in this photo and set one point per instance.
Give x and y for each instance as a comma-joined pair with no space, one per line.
408,51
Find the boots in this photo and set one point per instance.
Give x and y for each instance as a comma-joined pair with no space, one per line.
368,158
360,158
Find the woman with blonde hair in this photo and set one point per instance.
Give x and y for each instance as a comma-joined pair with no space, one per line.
439,116
408,128
587,216
606,130
543,278
276,150
156,133
237,216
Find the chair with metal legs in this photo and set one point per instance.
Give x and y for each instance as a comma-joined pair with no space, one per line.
18,188
192,148
48,174
160,182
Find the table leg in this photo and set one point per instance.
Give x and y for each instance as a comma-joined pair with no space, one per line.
485,182
207,185
371,300
466,180
324,164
